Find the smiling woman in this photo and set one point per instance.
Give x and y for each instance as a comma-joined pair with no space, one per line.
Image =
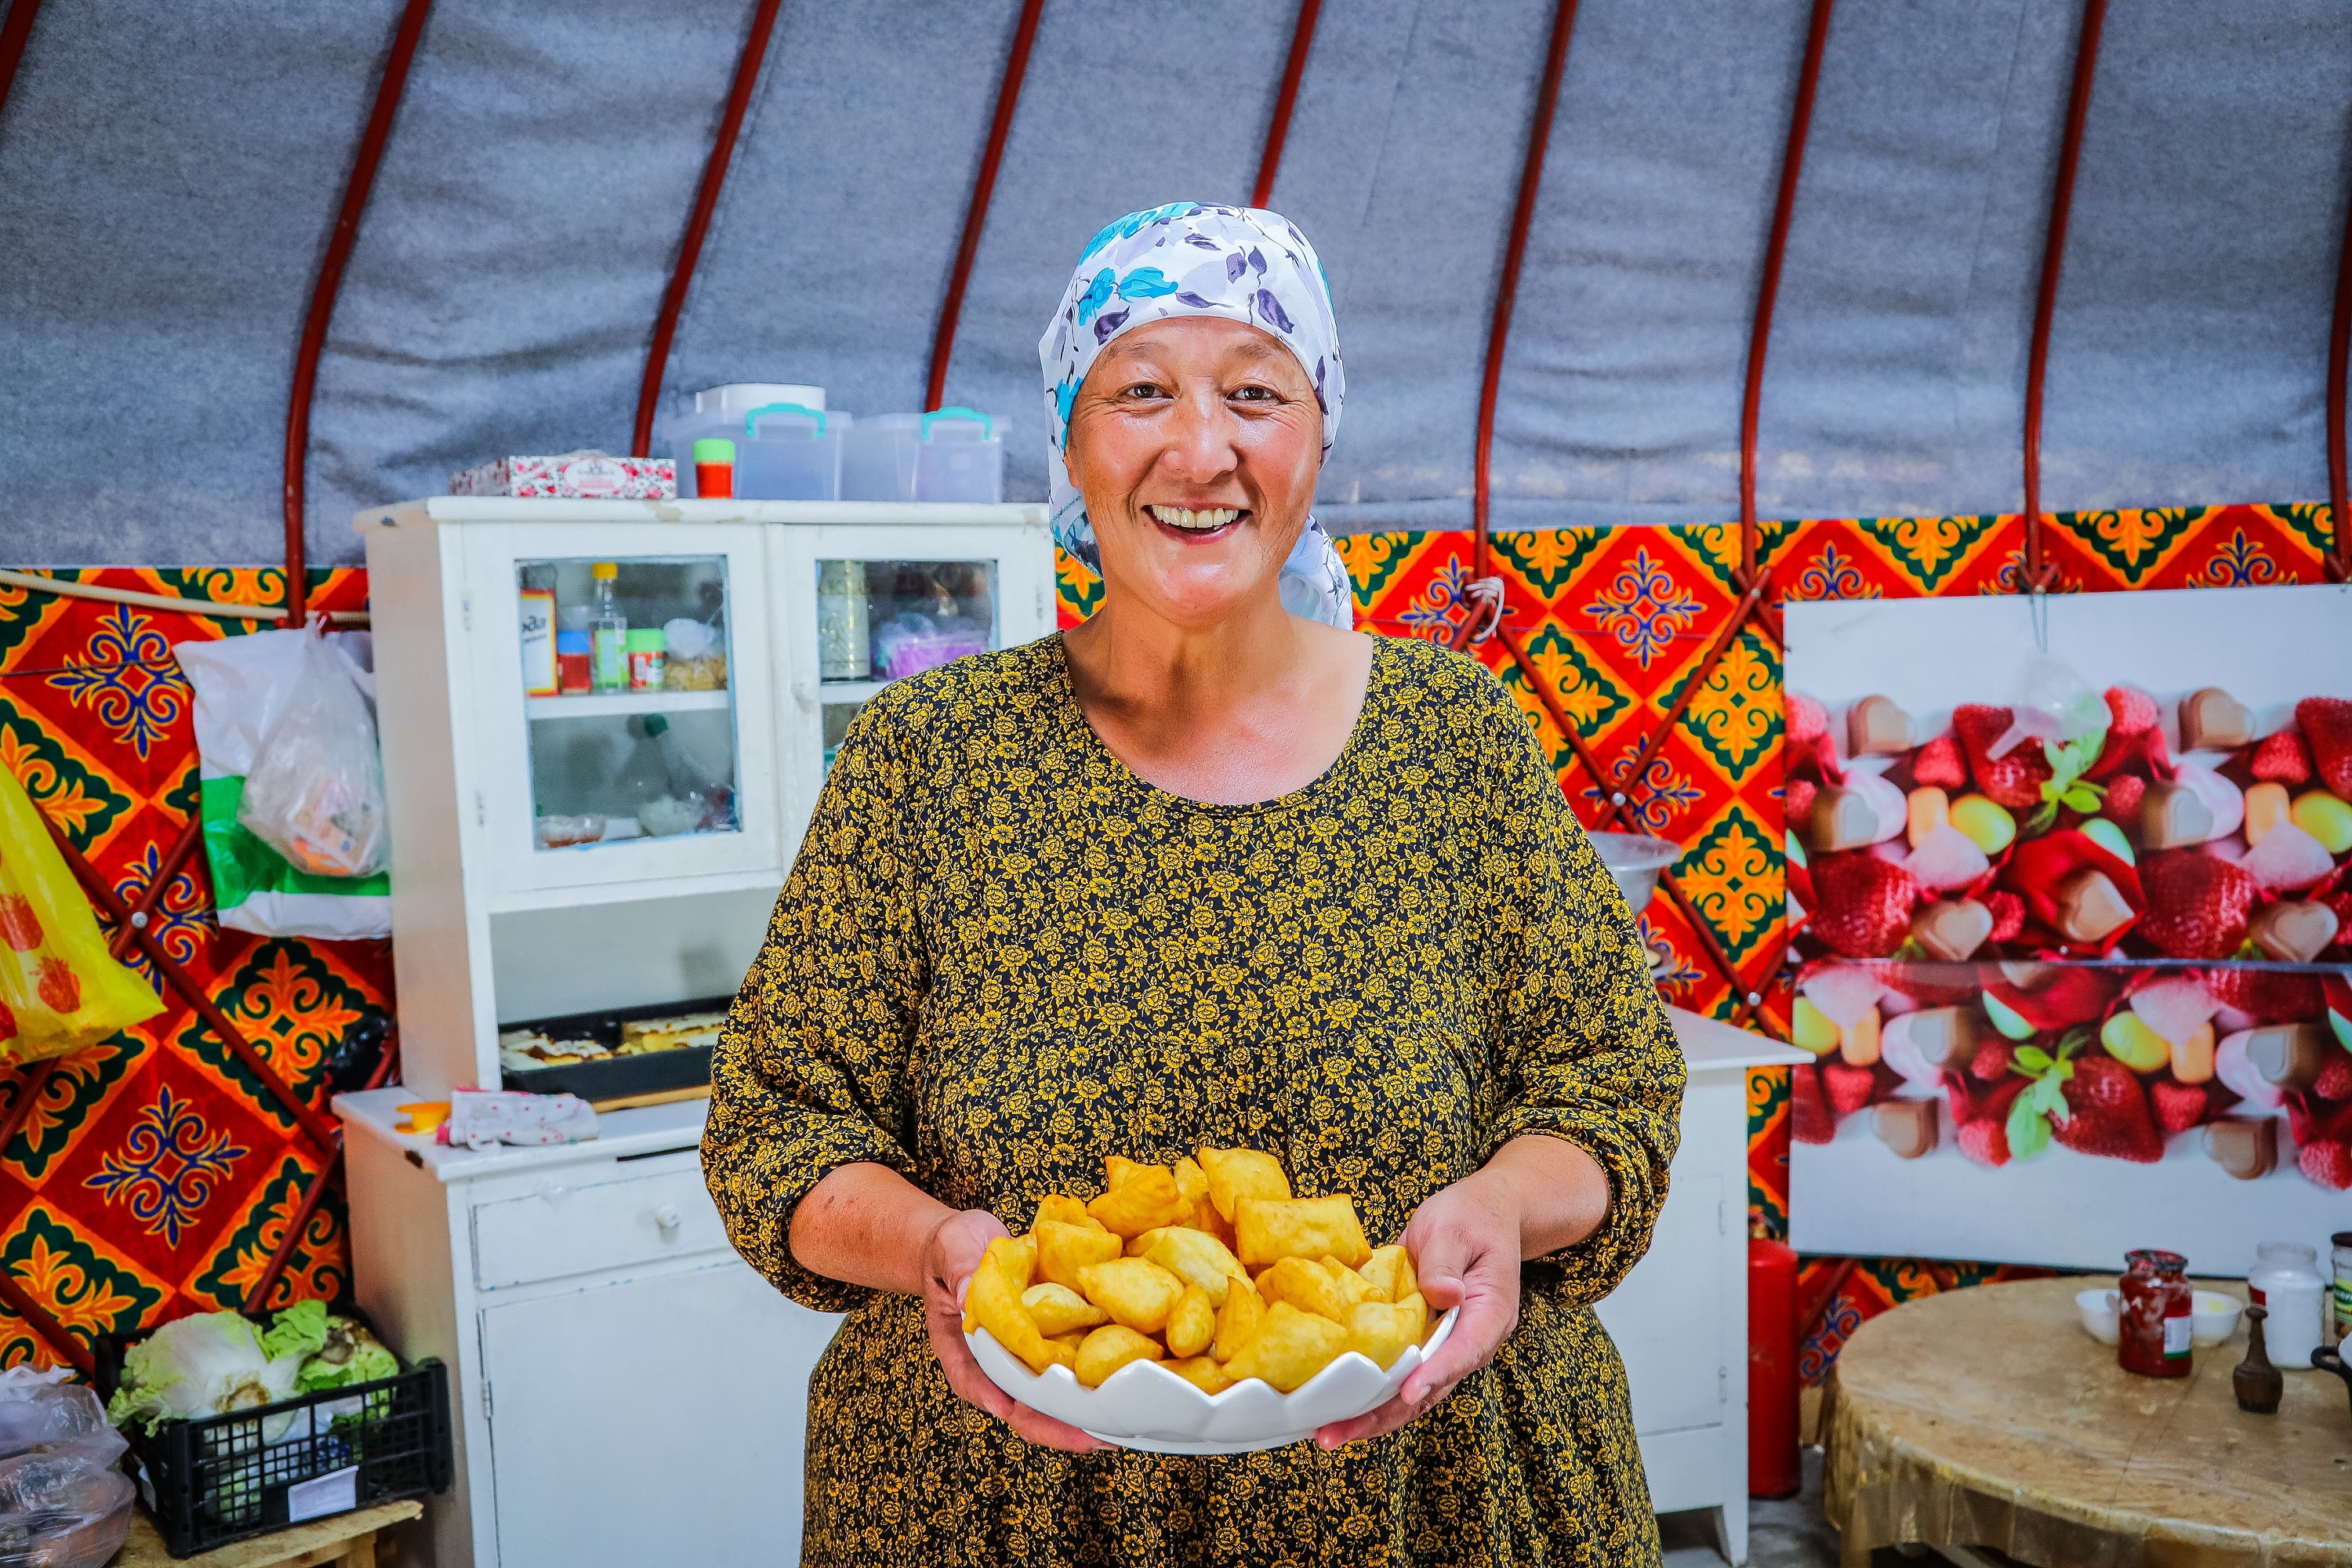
1212,869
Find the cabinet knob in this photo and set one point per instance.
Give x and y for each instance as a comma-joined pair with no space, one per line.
555,1193
667,1219
805,693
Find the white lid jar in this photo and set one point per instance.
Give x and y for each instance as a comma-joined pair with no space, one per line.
2285,1282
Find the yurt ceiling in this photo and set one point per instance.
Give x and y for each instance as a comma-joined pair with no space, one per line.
169,175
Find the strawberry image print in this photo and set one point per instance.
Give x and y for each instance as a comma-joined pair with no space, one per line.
2196,905
2130,711
8,1024
2282,759
20,928
1984,1123
2013,779
1864,908
2326,726
2328,1163
2180,1106
59,990
1939,762
1849,1088
2092,1104
1810,1120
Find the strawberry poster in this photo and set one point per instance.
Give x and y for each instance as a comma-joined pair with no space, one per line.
2070,898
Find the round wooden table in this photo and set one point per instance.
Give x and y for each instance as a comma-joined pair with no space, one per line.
1987,1417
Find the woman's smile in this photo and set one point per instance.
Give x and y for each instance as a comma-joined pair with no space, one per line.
1197,524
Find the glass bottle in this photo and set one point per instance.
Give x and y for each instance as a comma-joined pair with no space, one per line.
608,632
2152,1315
2286,1282
842,643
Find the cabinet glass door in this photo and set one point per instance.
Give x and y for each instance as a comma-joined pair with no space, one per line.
628,697
880,621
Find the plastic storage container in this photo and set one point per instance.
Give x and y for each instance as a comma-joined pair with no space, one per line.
719,411
789,452
2285,1282
954,455
959,457
224,1478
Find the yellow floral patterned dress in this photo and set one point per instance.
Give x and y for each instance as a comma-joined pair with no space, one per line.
1002,956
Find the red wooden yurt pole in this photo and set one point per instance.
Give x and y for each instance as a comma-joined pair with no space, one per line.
1302,39
1792,163
975,217
331,282
2039,574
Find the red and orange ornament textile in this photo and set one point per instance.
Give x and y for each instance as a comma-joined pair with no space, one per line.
156,1174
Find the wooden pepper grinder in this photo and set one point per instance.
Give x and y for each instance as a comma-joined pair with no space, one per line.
2258,1383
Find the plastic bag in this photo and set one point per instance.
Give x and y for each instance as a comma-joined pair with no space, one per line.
62,1502
244,685
59,988
316,791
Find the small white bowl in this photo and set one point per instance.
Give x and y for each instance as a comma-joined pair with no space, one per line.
2212,1317
2098,1312
1145,1405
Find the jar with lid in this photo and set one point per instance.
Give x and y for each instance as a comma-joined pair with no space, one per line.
2285,1282
841,638
2152,1316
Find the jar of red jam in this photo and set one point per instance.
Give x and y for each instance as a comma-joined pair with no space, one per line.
2152,1315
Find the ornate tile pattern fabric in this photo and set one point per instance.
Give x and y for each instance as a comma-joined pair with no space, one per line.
156,1174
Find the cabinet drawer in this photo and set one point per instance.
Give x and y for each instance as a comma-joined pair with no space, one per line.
564,1229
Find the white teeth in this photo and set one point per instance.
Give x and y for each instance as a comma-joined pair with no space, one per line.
1206,521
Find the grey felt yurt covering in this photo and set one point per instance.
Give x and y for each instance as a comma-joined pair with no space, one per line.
169,173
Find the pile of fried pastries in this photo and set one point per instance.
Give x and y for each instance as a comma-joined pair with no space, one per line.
1209,1267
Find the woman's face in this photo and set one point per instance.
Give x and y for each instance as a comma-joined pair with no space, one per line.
1195,442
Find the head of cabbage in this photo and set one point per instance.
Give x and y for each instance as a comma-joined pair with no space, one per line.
216,1362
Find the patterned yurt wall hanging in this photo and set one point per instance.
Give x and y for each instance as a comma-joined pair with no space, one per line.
154,1173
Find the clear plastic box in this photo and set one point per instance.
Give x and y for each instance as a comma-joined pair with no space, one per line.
786,451
953,455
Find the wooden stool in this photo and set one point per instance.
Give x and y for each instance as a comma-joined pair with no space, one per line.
347,1539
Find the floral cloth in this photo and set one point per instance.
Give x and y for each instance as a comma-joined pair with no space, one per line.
1199,258
1002,956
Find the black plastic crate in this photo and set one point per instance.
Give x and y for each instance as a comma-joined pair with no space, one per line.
616,1078
225,1478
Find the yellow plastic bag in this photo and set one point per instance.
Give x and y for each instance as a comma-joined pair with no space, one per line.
59,988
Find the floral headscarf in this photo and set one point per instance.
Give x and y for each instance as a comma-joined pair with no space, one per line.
1198,259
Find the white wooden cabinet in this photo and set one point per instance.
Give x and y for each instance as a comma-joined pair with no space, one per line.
1680,1319
627,1390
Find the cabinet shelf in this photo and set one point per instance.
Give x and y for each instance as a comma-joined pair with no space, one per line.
849,690
608,704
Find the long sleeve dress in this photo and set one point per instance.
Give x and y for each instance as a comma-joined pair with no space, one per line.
1001,956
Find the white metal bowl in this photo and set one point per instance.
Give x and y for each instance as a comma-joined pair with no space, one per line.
1635,860
1145,1405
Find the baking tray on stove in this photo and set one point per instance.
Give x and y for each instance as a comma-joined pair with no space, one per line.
617,1077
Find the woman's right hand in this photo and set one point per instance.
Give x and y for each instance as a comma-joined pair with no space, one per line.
950,1252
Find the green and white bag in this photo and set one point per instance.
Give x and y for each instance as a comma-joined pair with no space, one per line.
244,686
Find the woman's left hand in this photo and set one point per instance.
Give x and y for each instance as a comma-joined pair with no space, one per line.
1465,1244
1536,1195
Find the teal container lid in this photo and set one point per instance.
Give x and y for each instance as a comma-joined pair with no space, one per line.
714,449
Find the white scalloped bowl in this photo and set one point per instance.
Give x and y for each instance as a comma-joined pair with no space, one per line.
1145,1405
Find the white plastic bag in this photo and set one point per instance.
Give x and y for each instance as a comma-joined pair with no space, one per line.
316,791
62,1502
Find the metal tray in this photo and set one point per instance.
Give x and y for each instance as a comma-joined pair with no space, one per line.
616,1078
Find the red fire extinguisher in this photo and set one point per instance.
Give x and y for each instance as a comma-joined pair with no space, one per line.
1773,1470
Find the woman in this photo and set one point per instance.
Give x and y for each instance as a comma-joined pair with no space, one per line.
1202,871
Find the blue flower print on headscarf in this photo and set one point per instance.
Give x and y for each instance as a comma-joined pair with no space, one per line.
1199,258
